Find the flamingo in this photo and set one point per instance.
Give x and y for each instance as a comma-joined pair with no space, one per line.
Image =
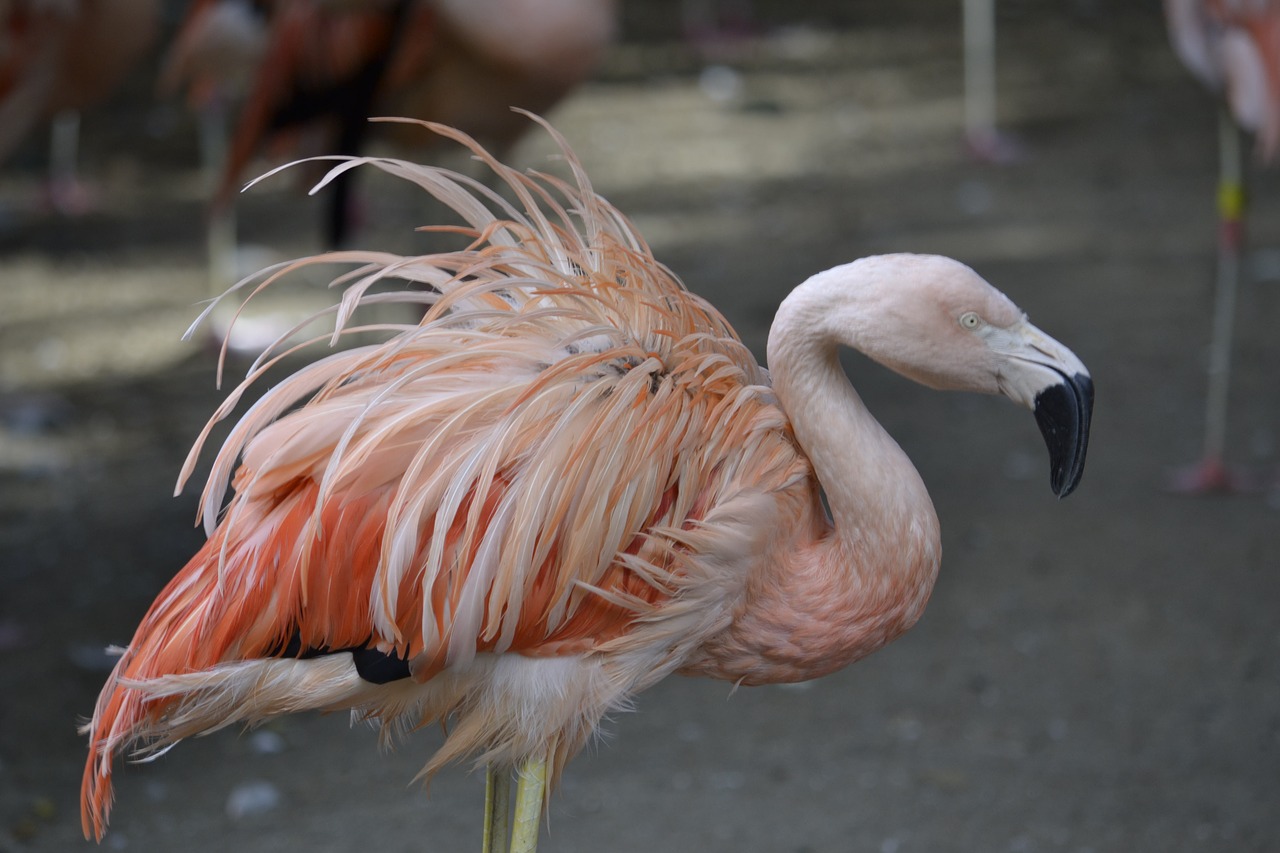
325,64
569,480
58,57
1233,47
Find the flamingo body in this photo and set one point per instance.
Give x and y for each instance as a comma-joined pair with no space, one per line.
1233,48
490,55
318,68
568,481
215,53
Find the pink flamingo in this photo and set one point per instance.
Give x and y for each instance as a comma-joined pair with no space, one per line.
569,480
1233,47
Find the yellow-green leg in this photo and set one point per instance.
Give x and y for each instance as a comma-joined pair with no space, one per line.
530,794
497,809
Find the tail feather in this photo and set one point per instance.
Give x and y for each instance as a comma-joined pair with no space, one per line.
202,658
145,717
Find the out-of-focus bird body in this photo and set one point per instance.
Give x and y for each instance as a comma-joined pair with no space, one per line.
568,481
215,53
491,55
67,55
327,67
1233,47
63,55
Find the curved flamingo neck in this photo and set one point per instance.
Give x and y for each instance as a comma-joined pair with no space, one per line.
871,485
842,596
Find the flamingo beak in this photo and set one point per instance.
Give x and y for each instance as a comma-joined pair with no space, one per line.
1063,412
1046,377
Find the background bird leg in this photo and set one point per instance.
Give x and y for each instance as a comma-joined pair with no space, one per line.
220,235
1211,473
66,194
985,142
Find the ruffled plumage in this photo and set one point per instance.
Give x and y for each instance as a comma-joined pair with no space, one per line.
570,458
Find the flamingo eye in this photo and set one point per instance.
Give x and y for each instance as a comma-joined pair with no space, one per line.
970,320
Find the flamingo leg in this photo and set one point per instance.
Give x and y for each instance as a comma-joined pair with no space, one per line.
1211,473
979,69
497,808
530,794
985,142
1231,212
66,194
220,236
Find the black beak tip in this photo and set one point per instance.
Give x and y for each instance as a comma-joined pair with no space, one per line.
1063,412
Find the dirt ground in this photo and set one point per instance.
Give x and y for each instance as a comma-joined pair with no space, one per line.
1097,675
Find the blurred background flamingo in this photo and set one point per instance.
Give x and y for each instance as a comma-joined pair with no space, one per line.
316,72
1233,47
56,58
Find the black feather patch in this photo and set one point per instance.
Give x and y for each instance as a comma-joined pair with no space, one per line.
372,665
